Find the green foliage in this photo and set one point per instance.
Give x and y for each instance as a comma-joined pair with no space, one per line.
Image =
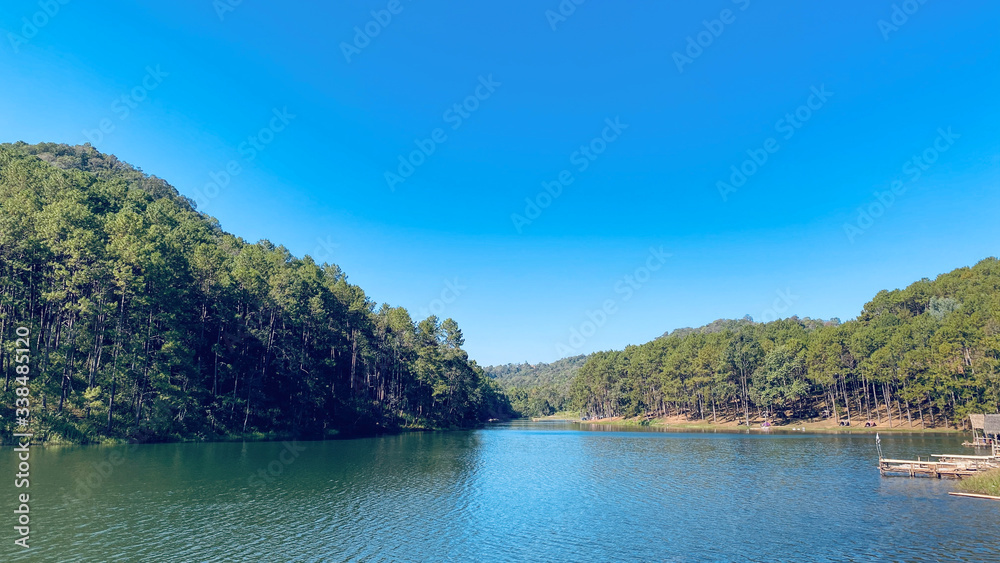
538,389
929,352
986,483
779,379
542,400
560,372
148,322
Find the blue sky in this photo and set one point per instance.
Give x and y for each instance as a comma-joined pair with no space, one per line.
308,117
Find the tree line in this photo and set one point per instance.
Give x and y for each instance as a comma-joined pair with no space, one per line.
926,355
538,389
147,319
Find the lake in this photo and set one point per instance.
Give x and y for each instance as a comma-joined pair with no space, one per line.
521,491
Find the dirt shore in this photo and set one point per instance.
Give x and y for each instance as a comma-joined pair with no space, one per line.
824,425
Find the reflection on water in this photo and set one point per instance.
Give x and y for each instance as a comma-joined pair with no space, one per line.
514,492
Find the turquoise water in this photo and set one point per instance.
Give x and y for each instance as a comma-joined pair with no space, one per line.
513,492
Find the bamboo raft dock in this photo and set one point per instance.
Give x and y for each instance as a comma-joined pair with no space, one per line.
945,466
950,465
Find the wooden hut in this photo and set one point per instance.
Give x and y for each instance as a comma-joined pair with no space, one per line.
981,438
991,430
991,426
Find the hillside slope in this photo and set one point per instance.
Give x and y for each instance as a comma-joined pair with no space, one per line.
559,373
538,389
928,354
148,321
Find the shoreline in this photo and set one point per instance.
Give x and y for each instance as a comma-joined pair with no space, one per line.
330,435
682,423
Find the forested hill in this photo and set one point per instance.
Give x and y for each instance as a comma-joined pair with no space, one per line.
929,353
538,389
542,389
559,372
147,321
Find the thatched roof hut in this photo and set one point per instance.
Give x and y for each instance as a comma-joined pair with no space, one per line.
991,424
977,421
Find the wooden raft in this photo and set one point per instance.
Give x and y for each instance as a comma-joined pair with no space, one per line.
946,466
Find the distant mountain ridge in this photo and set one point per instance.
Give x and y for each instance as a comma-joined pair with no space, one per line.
560,372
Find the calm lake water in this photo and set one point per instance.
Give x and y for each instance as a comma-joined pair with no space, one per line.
514,492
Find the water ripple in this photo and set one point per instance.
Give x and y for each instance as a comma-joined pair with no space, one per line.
520,492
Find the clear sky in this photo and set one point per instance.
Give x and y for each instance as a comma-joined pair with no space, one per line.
642,110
